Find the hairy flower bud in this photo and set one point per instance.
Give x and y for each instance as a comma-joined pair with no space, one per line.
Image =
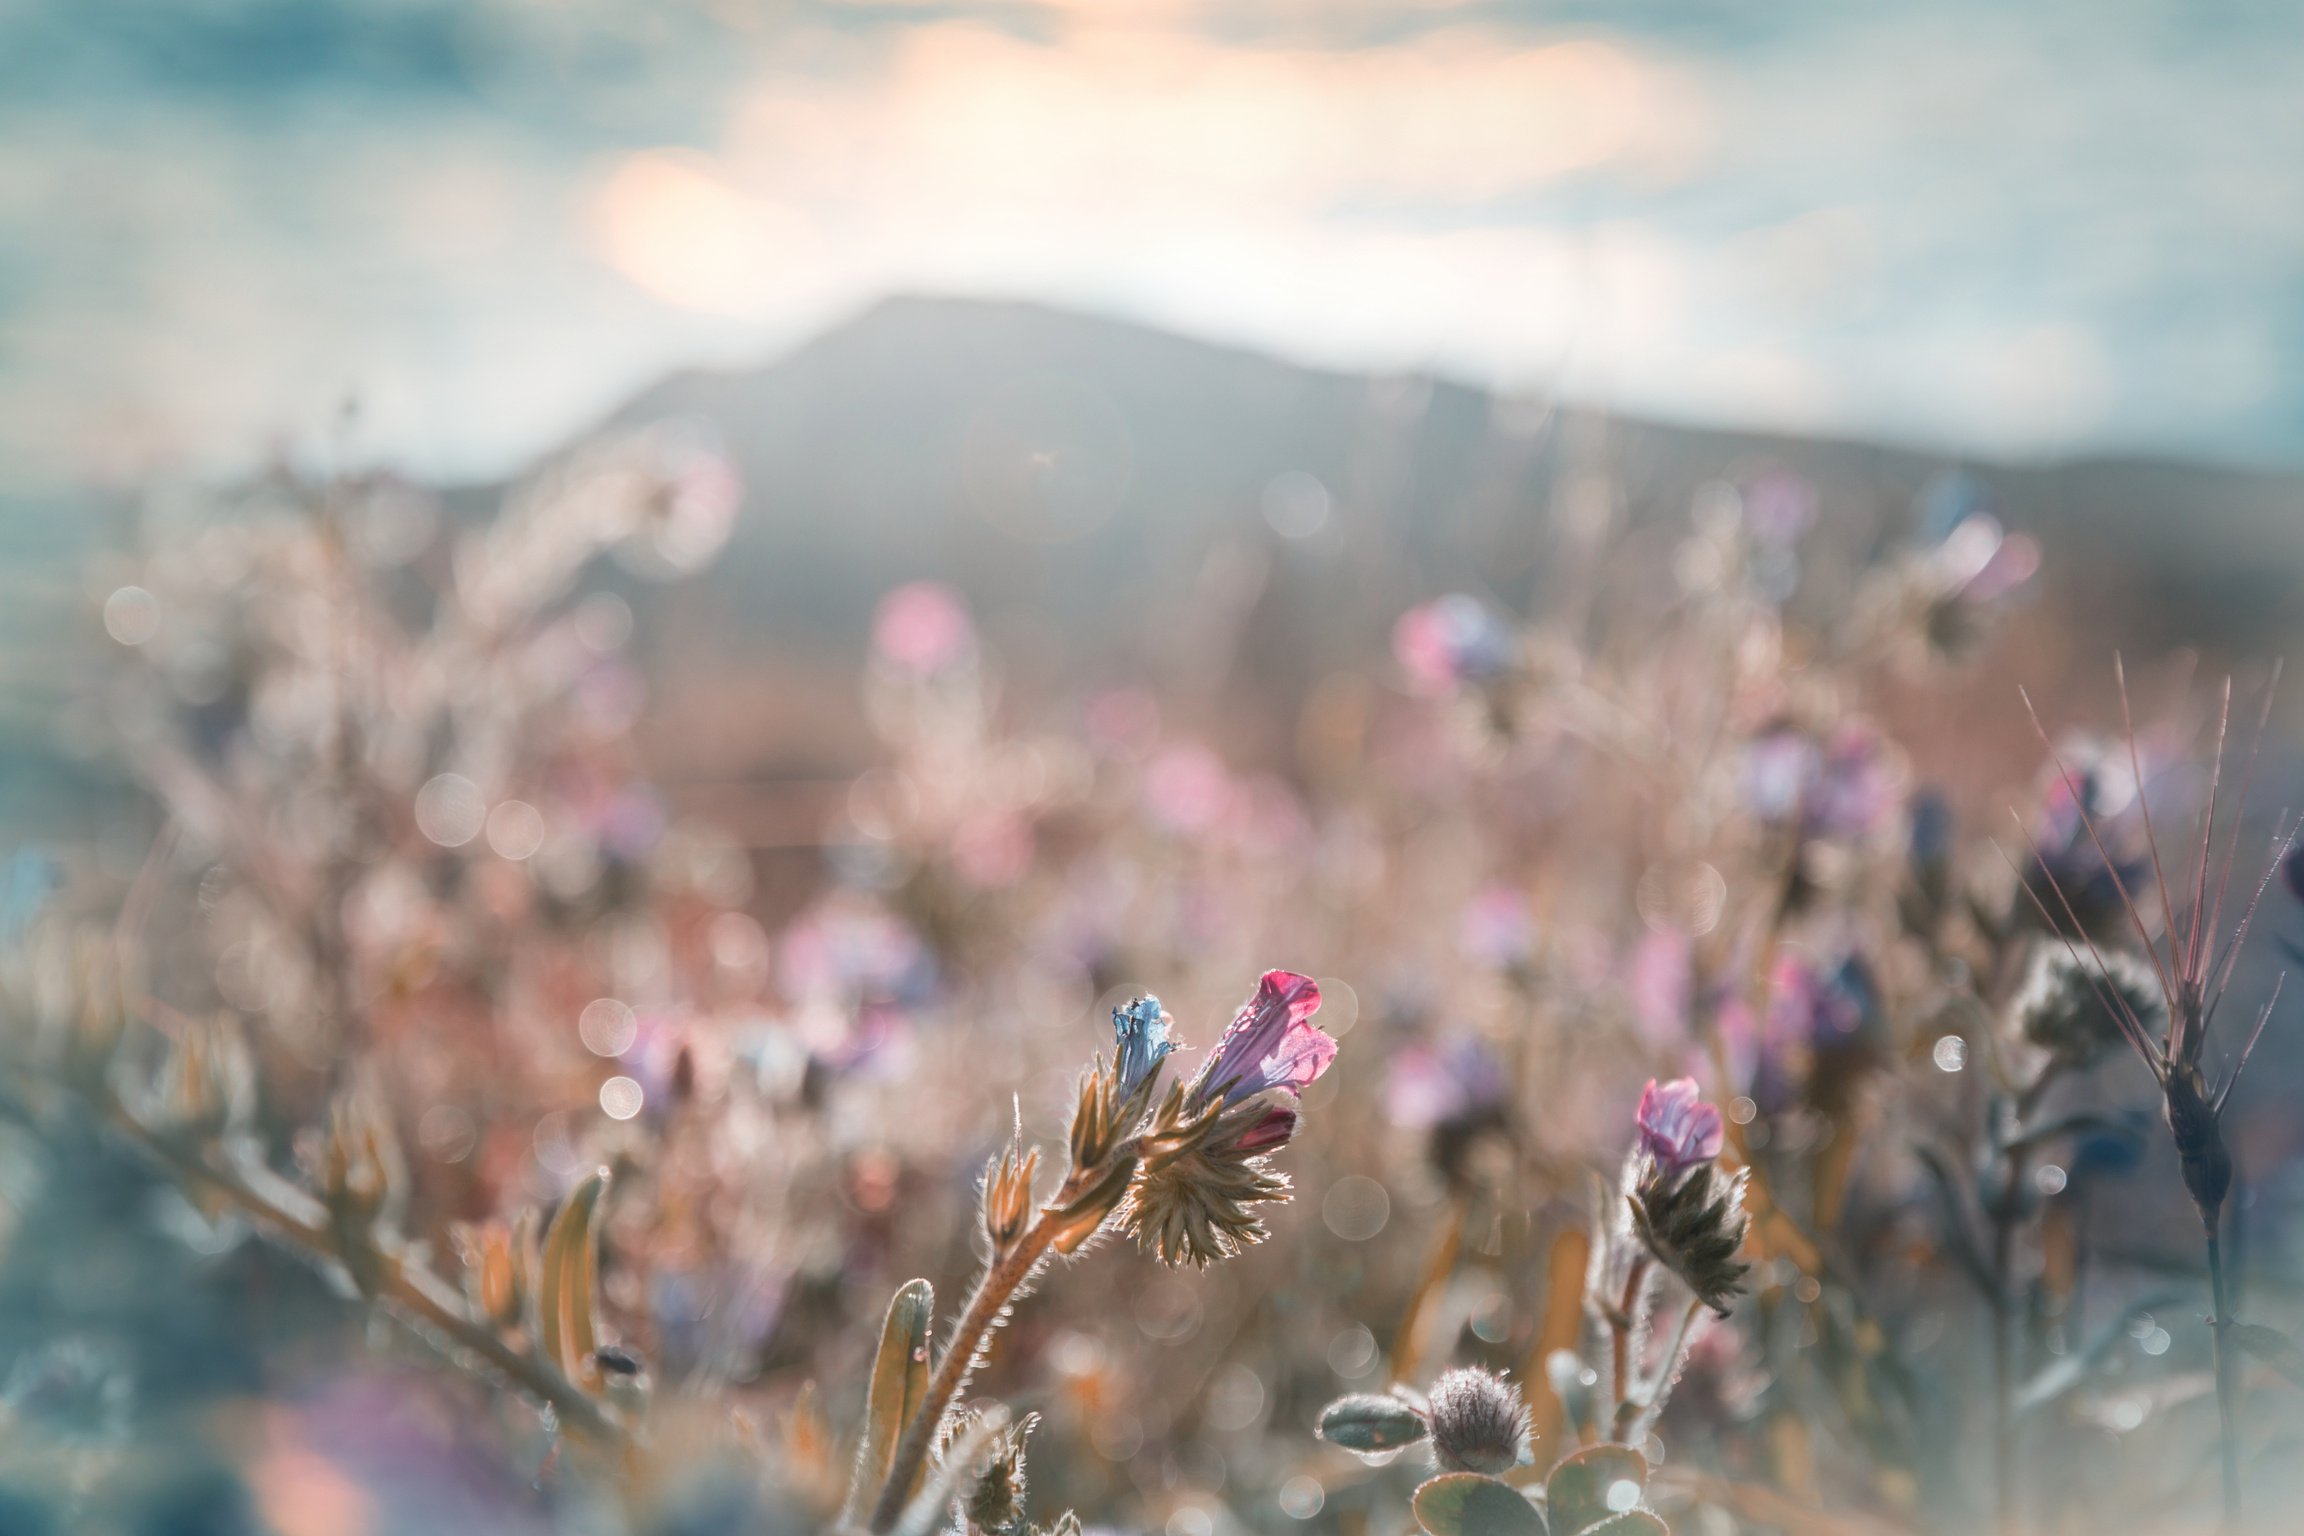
1144,1035
2068,1008
1008,1193
1692,1221
1479,1423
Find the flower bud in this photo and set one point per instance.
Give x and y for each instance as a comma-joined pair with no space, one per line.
1008,1194
1145,1035
1370,1424
1692,1222
1478,1422
2201,1155
499,1268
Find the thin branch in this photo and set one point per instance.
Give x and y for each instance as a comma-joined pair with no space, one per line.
2111,866
2249,1049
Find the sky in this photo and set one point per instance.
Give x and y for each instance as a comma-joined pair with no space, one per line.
2000,230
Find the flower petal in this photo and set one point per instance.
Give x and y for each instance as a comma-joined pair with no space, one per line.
1265,1034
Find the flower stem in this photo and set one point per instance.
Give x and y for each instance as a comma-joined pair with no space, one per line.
1000,1282
2226,1387
1620,1323
1667,1376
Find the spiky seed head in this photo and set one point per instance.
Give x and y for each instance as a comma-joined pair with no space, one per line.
1205,1168
1479,1423
2201,1155
2066,1006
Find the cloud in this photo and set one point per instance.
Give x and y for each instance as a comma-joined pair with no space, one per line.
2010,232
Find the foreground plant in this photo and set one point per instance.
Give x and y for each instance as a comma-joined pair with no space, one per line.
1680,1215
1185,1179
2192,967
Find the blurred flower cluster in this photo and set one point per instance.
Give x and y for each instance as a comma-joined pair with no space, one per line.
1663,1089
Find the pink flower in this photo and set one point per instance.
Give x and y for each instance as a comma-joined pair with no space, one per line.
1272,1043
1677,1128
922,628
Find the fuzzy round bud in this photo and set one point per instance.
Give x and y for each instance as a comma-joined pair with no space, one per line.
2073,1011
1478,1422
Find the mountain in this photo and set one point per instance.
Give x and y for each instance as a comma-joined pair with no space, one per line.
1108,495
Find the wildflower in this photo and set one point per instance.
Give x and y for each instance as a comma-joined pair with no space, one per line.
2087,840
2070,1009
1271,1043
1479,1423
1145,1036
922,629
1677,1128
1451,641
1205,1155
1842,789
1686,1212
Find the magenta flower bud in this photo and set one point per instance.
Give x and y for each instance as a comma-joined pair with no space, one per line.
1271,1133
1677,1128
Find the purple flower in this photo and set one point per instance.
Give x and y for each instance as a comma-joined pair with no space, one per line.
1842,789
1271,1043
1451,640
1677,1128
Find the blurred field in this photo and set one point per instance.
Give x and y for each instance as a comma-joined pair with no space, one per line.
568,980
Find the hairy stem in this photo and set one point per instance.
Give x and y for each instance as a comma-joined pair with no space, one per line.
1667,1375
2226,1386
1000,1282
1620,1323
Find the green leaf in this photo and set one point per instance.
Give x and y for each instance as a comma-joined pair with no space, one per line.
2273,1347
1371,1424
1576,1494
899,1382
1631,1522
1468,1504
